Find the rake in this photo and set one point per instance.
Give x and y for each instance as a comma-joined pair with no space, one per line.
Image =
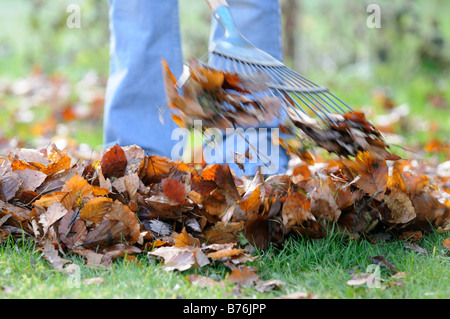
234,53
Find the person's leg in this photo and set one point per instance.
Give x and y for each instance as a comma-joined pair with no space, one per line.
142,32
259,21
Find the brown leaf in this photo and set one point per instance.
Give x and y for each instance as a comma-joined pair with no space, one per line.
401,210
382,261
446,244
174,190
180,258
154,169
243,276
71,230
221,175
416,248
257,230
31,179
78,190
429,210
296,210
120,250
114,162
323,204
272,284
46,200
415,183
55,212
359,279
413,236
122,213
221,233
107,233
9,185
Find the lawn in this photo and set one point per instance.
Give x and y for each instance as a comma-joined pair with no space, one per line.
339,54
309,268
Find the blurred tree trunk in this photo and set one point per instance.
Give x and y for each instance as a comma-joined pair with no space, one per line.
289,10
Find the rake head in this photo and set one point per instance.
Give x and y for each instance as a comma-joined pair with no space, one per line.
235,54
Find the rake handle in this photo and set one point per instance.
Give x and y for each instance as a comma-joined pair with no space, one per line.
214,4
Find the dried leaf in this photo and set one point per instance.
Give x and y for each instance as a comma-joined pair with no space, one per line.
446,244
296,210
174,190
382,261
31,179
416,248
373,174
180,258
114,162
107,233
55,212
323,204
95,210
186,239
401,210
243,276
225,253
253,202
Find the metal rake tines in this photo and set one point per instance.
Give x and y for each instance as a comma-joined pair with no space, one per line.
294,89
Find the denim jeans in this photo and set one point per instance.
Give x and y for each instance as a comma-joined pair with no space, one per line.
144,31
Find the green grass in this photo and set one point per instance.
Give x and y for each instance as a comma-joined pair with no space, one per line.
319,267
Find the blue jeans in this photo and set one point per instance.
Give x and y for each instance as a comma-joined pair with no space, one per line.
143,31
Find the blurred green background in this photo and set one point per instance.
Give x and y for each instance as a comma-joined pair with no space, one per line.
52,78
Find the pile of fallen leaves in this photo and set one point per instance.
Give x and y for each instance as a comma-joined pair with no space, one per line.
130,203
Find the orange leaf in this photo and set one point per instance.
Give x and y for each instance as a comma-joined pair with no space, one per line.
373,174
173,98
226,253
78,190
446,244
96,209
46,200
253,202
186,239
53,168
17,164
415,183
209,79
